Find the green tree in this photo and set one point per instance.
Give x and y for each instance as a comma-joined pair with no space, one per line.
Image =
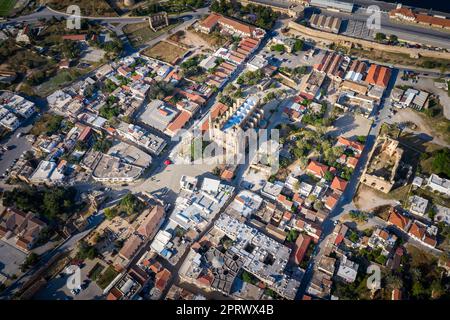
328,176
298,45
30,261
441,161
110,213
85,251
380,36
277,47
393,38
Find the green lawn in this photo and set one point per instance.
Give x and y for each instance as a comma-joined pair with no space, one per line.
106,277
6,7
61,79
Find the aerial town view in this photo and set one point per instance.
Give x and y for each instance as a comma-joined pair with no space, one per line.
226,150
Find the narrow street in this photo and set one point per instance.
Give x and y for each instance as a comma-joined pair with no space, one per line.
345,203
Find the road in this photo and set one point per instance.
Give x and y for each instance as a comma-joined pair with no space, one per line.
48,13
387,6
409,32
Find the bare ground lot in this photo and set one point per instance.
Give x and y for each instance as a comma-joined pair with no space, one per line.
425,125
213,40
165,51
140,33
398,59
367,198
350,126
191,39
10,259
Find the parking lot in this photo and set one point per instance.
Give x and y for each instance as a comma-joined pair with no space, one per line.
16,145
291,60
10,259
56,288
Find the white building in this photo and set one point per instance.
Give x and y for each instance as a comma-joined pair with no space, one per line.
442,214
348,270
418,205
246,203
20,106
439,184
43,172
58,99
10,121
271,190
256,63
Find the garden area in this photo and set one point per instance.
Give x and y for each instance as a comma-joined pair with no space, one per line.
130,206
106,277
260,16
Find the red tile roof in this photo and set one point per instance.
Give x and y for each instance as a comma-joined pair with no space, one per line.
210,21
338,184
317,169
417,231
287,215
284,201
114,294
398,220
179,122
402,11
378,75
85,134
338,239
74,37
357,146
430,241
152,220
301,244
231,23
352,162
297,199
227,175
396,294
435,21
331,201
161,279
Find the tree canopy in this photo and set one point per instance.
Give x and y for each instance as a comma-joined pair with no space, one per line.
50,203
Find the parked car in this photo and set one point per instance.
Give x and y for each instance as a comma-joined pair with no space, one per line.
75,291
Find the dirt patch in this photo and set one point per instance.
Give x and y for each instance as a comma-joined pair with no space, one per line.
190,39
140,33
382,211
401,59
166,52
419,257
212,40
431,127
367,198
350,126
